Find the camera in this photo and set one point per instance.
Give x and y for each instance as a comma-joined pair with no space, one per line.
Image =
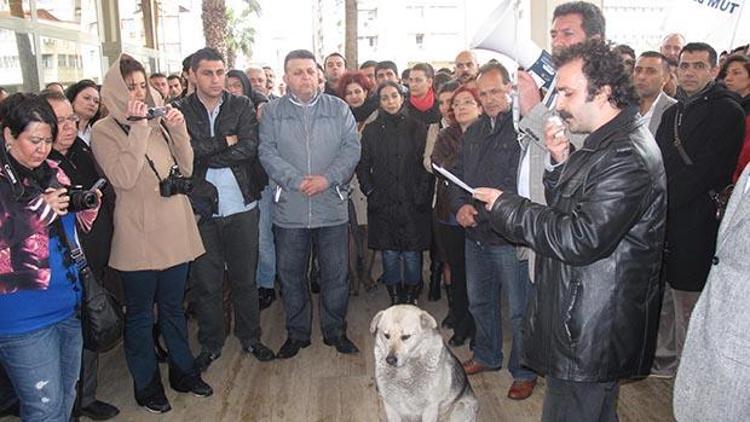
81,199
154,112
175,183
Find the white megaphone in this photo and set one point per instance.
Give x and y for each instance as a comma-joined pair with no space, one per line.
500,34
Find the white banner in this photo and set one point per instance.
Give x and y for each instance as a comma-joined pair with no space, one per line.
724,24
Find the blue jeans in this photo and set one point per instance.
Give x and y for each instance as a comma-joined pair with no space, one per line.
488,268
392,267
43,366
265,274
292,255
142,289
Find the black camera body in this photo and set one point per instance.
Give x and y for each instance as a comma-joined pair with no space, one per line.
81,199
175,183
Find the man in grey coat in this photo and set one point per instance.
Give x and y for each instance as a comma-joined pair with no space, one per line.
309,147
714,371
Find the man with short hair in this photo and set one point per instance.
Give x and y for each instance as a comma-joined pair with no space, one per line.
700,139
270,81
334,67
671,46
489,157
466,66
368,68
257,77
422,104
593,320
650,74
386,71
224,136
174,82
159,82
572,23
310,166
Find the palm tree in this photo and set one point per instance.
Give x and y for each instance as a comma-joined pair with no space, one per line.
224,32
215,24
240,36
350,43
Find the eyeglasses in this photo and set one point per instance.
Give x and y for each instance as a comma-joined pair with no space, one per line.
73,118
467,103
37,142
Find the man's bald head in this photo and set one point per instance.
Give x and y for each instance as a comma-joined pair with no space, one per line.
671,45
466,66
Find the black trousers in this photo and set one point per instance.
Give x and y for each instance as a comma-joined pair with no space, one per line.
230,242
451,239
569,401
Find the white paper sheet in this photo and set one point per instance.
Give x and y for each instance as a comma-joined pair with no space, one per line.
452,177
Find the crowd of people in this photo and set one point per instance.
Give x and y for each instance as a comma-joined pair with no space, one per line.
609,220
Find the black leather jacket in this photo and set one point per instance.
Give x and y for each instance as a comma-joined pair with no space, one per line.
596,308
236,117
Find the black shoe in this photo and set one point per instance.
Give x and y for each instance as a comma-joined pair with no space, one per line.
12,410
192,384
457,340
261,352
411,292
291,347
99,411
448,321
266,297
393,293
204,360
342,344
155,403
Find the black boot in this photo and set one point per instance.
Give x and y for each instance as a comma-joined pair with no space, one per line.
448,320
436,277
410,294
400,293
393,293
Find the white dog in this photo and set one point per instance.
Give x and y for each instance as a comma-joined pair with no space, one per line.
417,376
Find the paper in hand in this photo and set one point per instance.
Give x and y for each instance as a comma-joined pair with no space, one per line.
452,177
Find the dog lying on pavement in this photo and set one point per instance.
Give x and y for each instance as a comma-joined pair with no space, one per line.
416,374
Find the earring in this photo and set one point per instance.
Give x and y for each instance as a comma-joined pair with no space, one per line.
8,146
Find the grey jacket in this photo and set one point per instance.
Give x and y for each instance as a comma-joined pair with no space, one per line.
299,139
663,103
714,372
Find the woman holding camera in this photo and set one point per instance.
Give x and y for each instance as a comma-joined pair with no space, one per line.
40,288
142,155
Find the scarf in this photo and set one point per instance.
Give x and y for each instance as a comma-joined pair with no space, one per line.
424,103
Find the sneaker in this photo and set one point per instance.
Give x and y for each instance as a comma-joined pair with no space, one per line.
99,411
155,403
192,384
204,360
261,352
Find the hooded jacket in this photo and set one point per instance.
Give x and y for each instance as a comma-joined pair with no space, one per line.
151,232
711,126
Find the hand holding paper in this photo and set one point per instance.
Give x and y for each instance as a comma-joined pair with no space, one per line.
452,177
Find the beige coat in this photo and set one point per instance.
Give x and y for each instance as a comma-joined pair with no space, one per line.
151,232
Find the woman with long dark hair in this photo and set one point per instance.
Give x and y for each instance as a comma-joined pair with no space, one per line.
399,193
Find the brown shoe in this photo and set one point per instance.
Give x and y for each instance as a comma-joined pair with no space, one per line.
522,389
472,367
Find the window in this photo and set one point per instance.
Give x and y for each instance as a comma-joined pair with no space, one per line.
419,38
62,60
48,61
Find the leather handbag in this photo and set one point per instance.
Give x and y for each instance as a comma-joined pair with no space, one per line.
102,317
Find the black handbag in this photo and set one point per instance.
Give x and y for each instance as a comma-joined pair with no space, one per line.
102,316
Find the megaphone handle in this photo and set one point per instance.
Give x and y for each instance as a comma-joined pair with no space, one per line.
551,95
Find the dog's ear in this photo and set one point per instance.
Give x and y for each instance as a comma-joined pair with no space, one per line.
427,321
375,322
